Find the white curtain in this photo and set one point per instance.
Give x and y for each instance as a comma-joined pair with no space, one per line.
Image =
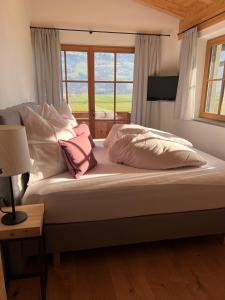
47,65
147,63
185,100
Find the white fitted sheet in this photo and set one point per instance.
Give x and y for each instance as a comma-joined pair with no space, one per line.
112,191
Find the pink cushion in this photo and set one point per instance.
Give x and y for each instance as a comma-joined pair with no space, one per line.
78,155
83,128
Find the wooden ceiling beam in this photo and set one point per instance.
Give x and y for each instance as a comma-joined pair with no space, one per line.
170,7
195,15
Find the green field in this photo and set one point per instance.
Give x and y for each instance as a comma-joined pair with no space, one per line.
79,103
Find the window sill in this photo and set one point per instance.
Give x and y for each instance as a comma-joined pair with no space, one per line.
210,122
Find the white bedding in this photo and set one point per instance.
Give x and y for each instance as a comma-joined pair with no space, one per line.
112,191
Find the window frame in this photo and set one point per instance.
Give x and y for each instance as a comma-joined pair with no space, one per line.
203,114
91,50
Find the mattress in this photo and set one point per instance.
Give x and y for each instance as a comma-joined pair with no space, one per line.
113,191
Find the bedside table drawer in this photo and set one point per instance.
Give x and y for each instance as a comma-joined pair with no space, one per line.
20,233
32,227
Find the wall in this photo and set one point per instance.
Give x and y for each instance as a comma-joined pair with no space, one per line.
205,136
16,80
114,15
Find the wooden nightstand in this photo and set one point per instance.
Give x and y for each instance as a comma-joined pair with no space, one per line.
2,281
32,228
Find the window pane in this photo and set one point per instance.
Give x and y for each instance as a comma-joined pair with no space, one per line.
104,101
124,97
63,65
104,66
76,63
213,96
217,62
78,96
124,66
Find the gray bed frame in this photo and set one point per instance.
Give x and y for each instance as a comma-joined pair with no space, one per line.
87,235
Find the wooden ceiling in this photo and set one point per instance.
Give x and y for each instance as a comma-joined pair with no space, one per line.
191,12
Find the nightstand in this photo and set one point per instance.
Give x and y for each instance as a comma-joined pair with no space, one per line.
32,228
2,281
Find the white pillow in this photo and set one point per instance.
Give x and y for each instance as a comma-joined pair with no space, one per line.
146,151
49,113
118,130
66,112
45,152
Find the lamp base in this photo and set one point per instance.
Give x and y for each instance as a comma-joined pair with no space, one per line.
9,219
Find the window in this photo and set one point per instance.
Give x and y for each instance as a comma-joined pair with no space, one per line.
213,96
98,81
75,79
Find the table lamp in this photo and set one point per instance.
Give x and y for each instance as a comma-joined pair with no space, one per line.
14,160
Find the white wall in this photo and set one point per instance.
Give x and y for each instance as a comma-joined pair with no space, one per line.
207,137
114,15
16,80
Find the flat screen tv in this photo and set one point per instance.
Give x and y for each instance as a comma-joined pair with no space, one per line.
162,88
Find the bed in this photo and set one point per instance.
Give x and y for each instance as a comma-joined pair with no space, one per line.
115,205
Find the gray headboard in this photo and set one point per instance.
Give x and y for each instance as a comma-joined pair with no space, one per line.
11,116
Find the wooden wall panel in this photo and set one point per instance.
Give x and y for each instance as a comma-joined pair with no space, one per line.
197,15
171,7
191,12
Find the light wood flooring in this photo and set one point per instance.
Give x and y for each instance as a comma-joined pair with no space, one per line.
182,269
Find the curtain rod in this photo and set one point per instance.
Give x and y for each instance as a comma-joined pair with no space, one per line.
102,31
202,22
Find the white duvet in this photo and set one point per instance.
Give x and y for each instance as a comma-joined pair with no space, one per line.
119,130
139,147
147,151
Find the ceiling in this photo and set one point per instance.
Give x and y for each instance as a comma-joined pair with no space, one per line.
190,12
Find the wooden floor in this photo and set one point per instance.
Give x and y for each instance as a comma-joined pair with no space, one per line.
183,269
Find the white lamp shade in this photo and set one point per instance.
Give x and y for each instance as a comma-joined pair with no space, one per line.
14,151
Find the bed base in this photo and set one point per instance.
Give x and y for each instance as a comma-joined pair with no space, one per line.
87,235
57,255
56,259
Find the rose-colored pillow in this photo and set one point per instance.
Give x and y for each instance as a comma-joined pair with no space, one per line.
83,128
78,155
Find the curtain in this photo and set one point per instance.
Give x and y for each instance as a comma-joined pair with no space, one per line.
185,100
47,65
147,62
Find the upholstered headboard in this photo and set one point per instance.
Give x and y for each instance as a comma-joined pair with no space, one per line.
11,116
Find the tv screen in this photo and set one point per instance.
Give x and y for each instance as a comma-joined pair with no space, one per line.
162,88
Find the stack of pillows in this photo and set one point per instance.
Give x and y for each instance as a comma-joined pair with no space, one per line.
57,142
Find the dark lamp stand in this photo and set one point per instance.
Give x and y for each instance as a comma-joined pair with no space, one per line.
14,217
